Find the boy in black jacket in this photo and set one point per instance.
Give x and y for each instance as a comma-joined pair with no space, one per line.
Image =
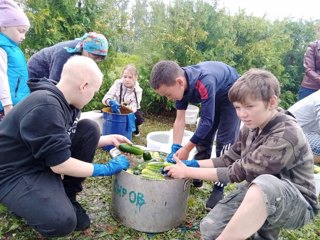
46,152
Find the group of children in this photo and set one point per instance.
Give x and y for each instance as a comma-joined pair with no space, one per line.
46,151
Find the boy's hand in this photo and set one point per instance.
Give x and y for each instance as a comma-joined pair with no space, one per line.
117,139
174,148
179,170
114,166
113,139
182,153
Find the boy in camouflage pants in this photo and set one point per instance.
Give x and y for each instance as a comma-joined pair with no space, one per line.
271,162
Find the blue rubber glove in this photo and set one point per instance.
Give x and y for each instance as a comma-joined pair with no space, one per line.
114,166
191,163
115,106
174,148
188,163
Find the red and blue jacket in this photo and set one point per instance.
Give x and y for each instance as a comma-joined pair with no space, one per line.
207,82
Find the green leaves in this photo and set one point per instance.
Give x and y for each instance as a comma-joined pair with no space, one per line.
146,31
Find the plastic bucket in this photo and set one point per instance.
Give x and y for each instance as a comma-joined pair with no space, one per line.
191,114
150,206
159,141
162,141
114,123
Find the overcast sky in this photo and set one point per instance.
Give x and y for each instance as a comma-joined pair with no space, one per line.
276,9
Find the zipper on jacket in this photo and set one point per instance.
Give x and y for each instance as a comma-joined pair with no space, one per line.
17,87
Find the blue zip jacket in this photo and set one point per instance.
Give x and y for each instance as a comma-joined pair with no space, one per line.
17,70
207,82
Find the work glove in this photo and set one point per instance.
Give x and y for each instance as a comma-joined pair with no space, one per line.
115,106
114,166
174,148
188,163
191,163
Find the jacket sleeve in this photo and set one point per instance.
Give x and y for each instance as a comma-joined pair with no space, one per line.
46,137
208,95
5,96
269,158
309,62
112,92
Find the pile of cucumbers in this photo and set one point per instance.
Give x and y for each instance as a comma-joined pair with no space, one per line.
152,165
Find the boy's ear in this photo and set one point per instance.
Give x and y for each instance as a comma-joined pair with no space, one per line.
274,100
180,81
83,86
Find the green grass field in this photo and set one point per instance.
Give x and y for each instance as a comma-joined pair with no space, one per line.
96,198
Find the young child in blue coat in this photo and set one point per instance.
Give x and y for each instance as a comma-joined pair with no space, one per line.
14,25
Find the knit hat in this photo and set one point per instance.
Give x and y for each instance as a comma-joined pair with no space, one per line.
11,15
92,42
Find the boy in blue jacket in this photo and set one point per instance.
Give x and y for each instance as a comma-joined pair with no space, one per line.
207,84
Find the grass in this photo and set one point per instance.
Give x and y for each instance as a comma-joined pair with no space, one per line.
96,198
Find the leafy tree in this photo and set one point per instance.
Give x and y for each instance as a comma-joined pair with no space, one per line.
146,31
301,33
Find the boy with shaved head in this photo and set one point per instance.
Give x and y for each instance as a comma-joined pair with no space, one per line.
46,151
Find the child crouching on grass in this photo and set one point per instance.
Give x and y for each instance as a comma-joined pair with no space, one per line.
271,162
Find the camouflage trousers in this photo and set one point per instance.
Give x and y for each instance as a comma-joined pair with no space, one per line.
286,208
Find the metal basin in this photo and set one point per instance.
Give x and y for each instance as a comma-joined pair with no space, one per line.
149,205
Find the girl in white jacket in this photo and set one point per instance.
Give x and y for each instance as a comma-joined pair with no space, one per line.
126,91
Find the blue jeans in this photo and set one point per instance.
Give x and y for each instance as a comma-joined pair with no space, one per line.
304,92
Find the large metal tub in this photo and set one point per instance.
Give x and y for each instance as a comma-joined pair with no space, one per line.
149,205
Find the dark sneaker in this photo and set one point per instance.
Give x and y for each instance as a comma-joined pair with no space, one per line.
83,220
136,133
215,197
197,183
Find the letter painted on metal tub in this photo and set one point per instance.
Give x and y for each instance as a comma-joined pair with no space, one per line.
136,198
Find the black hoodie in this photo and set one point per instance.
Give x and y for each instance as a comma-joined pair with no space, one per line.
35,135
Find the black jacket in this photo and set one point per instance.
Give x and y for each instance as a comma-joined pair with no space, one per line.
35,135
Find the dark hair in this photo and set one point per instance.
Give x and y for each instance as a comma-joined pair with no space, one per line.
256,84
165,73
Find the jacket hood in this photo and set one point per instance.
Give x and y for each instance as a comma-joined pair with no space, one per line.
42,84
36,84
6,41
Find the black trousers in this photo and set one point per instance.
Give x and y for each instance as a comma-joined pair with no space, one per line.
226,126
43,198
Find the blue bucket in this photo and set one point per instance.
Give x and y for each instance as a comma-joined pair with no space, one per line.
114,123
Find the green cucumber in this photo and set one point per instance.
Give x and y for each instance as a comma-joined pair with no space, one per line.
149,174
128,148
166,164
146,156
